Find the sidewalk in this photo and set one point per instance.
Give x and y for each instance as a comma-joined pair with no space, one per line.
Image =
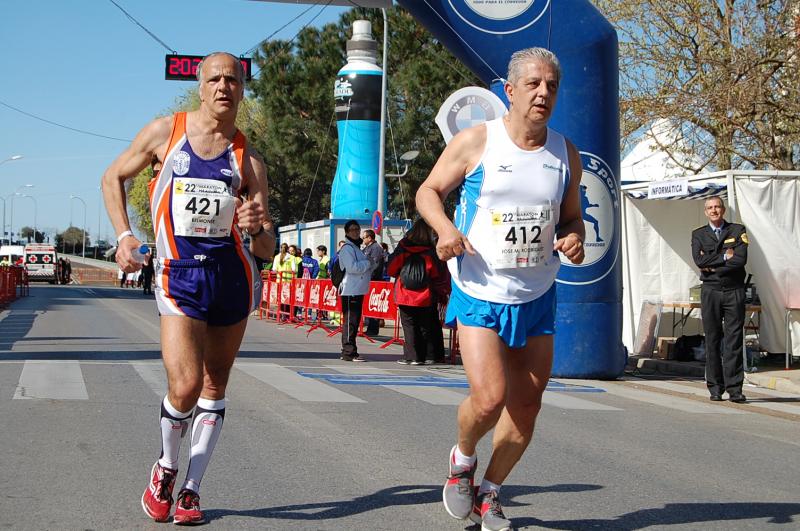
767,376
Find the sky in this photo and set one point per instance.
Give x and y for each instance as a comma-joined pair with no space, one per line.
85,65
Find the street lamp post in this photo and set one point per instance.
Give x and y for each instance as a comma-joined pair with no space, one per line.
11,215
83,242
35,208
99,209
3,228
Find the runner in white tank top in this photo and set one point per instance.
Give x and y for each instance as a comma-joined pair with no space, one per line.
509,207
519,205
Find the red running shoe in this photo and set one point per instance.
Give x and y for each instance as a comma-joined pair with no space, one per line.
157,497
187,509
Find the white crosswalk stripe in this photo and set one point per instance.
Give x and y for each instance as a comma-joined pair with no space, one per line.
64,380
153,374
54,380
565,400
437,396
298,387
668,401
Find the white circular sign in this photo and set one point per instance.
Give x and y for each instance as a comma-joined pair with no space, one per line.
499,9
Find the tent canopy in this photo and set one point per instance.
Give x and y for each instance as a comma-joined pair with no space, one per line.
657,248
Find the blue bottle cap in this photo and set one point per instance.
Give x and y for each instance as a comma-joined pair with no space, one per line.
144,249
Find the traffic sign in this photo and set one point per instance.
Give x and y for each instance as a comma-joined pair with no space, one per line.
377,221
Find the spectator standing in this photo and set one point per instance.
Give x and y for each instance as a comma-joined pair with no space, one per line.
384,274
419,314
357,269
719,249
309,265
67,271
120,277
148,270
323,259
374,254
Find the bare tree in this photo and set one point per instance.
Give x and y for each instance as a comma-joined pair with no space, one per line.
725,72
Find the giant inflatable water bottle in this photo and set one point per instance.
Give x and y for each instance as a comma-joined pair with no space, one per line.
358,118
483,35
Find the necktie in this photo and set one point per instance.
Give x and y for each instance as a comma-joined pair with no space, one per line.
717,232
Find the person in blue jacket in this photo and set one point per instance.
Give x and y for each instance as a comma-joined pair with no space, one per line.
309,266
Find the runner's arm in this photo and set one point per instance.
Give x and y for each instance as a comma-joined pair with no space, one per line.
253,214
571,231
133,160
460,155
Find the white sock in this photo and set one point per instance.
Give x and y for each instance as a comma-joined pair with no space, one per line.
207,424
487,485
463,460
174,425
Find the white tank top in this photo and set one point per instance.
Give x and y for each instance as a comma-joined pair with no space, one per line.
508,208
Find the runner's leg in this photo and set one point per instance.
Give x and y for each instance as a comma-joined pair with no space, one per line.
484,355
183,341
222,345
528,373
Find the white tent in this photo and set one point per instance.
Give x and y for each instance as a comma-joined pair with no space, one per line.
657,248
647,161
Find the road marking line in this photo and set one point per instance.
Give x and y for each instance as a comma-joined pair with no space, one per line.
298,387
58,380
436,396
659,399
153,375
565,401
763,403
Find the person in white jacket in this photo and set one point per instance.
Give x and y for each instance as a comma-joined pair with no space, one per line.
355,284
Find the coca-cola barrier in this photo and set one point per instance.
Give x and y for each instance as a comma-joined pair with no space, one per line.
301,301
13,284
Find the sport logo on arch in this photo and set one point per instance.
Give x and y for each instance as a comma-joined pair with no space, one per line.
599,200
500,16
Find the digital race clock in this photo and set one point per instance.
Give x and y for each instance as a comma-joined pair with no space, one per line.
184,67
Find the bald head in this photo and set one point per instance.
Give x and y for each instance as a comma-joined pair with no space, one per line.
239,68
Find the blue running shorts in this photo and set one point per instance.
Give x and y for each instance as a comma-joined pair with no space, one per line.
514,323
218,291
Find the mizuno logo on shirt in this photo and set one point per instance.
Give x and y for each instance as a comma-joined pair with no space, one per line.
504,169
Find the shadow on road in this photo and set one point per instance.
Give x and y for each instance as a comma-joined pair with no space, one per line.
393,496
677,514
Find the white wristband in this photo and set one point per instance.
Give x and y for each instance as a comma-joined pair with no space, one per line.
124,235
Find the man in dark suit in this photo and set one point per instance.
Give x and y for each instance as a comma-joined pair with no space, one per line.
719,249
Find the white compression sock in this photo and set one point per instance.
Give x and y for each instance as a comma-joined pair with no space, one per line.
174,425
463,460
208,417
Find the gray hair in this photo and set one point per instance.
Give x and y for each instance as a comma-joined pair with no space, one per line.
239,67
527,55
712,198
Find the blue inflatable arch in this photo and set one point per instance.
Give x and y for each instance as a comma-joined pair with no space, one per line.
483,35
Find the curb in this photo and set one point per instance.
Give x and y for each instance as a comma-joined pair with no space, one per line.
775,383
665,367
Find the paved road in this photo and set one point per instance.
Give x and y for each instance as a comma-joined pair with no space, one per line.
311,442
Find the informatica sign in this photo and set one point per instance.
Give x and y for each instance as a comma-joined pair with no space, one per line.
184,67
667,189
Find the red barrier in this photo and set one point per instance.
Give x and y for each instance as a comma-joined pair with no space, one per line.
12,280
280,299
322,298
379,303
